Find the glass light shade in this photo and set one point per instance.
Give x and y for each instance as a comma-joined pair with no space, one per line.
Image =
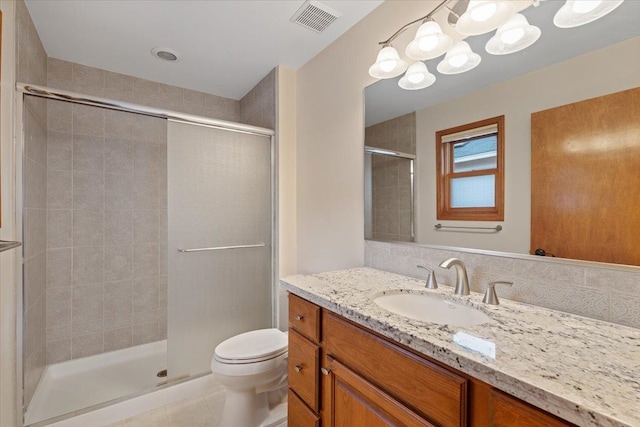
515,35
483,16
579,12
429,42
388,64
459,59
417,77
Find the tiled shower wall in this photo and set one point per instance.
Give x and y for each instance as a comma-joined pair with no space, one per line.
31,65
391,177
258,107
106,222
596,292
88,313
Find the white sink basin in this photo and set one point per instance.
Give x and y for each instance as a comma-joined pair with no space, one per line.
431,308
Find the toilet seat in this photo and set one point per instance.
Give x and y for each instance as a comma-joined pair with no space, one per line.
252,347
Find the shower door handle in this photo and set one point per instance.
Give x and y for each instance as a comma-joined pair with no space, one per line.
220,248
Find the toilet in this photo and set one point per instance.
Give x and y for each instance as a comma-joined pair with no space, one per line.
253,368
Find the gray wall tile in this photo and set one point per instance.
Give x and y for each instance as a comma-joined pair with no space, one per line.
87,345
58,307
625,309
59,190
88,190
118,226
59,228
117,339
144,333
59,116
58,351
118,262
88,265
88,153
145,261
88,227
145,226
88,304
145,295
59,151
117,299
118,192
88,120
118,156
59,267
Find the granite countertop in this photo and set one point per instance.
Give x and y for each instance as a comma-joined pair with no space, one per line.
583,370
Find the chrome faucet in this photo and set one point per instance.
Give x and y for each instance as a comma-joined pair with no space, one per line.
462,282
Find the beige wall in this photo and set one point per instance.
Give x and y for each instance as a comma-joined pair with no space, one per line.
605,71
330,128
286,146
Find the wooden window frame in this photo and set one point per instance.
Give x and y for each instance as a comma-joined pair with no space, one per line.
444,171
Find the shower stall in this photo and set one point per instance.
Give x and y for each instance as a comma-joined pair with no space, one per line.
148,239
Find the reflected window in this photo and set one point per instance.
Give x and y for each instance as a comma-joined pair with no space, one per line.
470,168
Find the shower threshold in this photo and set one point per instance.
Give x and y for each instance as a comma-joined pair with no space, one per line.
81,383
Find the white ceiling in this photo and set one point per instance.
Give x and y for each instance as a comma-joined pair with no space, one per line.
226,47
385,100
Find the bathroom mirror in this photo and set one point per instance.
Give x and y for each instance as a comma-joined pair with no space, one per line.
563,67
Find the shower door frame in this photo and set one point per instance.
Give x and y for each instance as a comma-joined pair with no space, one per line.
24,89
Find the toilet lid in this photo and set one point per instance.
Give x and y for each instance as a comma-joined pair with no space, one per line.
260,344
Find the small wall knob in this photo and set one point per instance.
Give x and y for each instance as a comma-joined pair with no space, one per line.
325,371
299,317
298,368
490,296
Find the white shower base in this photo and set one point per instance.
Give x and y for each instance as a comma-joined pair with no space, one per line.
81,383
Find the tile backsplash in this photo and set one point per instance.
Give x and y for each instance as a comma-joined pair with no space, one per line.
587,290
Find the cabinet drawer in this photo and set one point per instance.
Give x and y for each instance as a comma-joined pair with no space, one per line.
298,413
304,369
507,411
428,389
304,317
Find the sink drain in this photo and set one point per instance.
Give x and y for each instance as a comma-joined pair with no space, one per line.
162,374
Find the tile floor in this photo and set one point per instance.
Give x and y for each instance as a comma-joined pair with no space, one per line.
201,411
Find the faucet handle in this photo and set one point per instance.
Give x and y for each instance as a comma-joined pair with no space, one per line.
490,296
431,279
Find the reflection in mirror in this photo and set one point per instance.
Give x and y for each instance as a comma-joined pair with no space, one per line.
563,67
389,166
470,171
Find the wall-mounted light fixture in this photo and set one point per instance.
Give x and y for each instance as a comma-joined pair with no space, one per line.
513,34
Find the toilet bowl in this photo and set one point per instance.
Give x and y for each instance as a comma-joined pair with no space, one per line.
253,368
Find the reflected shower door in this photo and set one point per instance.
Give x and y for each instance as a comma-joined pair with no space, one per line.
219,195
389,196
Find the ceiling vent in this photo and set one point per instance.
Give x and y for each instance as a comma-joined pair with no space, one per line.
315,16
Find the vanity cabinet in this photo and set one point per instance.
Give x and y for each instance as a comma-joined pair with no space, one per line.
364,380
304,363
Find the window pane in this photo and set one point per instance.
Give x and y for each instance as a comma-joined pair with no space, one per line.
476,154
473,192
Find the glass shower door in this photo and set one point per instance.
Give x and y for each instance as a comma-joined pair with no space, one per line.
220,252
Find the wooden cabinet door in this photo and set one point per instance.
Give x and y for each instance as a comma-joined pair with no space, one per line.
585,195
298,413
355,402
507,411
